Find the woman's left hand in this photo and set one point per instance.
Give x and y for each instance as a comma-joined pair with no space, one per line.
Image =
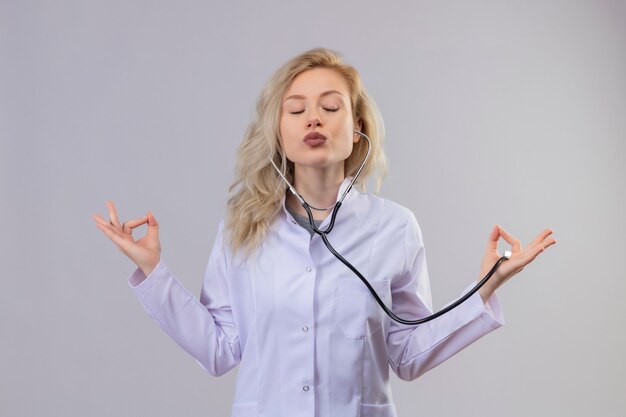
518,260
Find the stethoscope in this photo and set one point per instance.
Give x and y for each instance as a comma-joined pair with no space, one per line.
324,235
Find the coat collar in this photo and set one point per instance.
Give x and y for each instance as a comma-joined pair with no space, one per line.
342,188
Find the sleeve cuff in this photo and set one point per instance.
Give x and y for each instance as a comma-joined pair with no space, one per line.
490,308
138,279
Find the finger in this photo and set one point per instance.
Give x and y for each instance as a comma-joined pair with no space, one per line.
115,238
104,225
113,214
548,243
99,219
494,236
128,226
540,237
516,245
540,248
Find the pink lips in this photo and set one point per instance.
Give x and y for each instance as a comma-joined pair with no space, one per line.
314,139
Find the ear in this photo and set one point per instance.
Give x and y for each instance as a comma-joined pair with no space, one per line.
356,137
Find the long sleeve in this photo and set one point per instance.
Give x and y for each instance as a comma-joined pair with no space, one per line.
413,350
204,328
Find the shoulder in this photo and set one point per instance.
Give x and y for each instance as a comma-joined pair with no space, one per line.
391,221
388,211
394,225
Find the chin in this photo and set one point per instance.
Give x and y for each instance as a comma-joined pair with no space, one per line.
317,163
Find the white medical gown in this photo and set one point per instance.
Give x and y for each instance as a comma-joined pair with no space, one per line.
309,337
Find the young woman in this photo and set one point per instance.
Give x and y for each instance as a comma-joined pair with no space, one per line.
308,335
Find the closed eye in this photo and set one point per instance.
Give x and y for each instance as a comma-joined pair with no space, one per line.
332,110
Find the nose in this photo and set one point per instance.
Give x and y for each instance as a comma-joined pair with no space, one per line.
314,122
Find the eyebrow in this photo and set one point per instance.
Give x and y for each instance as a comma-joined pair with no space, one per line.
299,97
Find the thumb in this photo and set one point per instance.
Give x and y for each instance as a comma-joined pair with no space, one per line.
153,225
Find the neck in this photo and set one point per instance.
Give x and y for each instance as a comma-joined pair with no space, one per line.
318,187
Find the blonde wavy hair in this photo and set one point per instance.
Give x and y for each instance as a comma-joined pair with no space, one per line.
257,192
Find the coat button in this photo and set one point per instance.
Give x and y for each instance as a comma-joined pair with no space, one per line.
305,328
308,269
305,388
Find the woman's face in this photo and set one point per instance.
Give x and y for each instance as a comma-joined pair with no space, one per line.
316,124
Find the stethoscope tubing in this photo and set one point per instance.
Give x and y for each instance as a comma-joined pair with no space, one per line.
324,235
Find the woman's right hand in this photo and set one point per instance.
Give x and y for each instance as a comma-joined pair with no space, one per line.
145,252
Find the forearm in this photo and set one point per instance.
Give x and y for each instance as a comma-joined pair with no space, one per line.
415,351
211,341
486,291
